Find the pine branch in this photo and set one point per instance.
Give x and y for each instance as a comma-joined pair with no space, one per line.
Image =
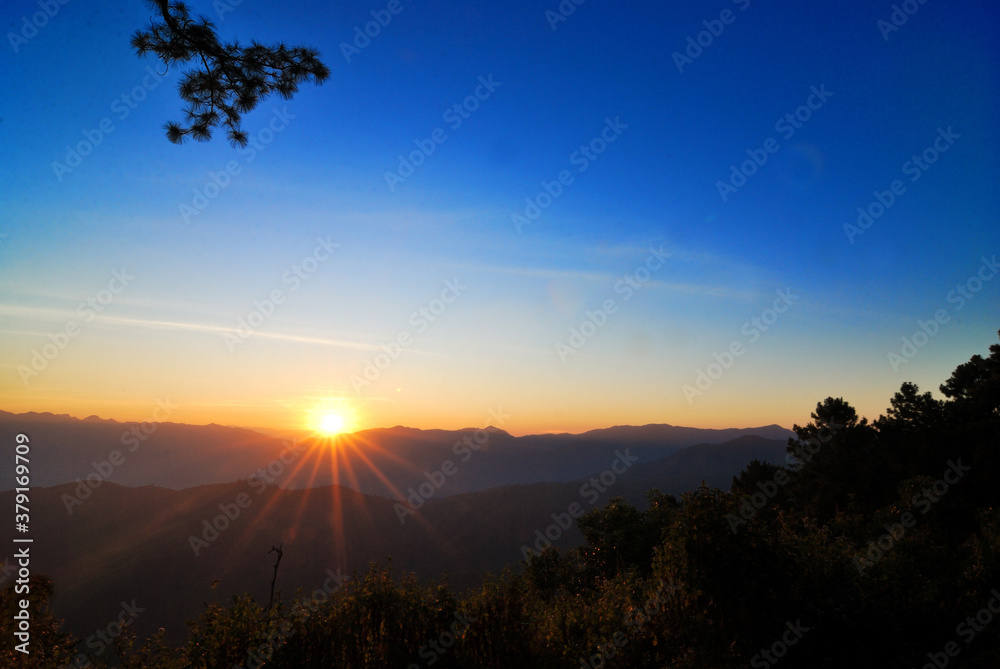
229,81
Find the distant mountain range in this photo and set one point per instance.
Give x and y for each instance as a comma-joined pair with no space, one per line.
387,462
114,503
164,549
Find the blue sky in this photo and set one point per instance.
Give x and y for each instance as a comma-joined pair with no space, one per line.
322,175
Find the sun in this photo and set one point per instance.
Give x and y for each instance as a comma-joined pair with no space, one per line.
331,417
331,424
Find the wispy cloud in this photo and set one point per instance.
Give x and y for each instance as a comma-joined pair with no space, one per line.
705,290
684,288
155,324
538,272
44,313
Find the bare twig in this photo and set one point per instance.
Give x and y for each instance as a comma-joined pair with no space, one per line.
270,600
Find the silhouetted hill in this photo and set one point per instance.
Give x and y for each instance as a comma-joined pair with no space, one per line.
135,543
645,434
116,537
173,455
384,461
717,463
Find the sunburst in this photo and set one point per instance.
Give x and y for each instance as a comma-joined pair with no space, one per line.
332,424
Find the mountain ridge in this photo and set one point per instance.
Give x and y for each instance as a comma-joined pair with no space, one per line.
380,461
100,551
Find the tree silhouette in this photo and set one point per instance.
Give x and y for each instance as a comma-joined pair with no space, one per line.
230,80
975,386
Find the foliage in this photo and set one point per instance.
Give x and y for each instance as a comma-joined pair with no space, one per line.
229,80
48,646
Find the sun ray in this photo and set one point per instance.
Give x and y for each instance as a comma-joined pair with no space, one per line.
352,466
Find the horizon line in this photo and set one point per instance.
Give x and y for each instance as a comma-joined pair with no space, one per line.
299,430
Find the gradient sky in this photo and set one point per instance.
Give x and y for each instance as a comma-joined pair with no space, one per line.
655,186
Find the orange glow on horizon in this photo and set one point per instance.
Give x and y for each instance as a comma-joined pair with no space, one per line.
336,422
